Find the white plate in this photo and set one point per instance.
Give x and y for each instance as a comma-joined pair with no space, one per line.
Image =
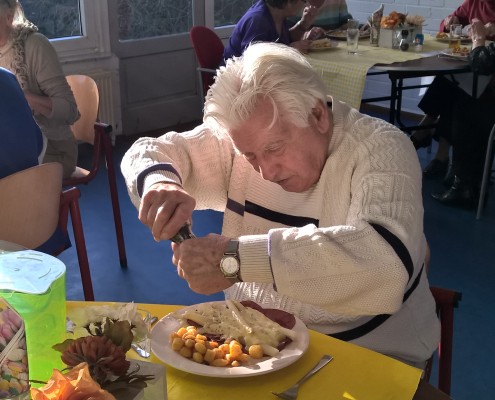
464,40
161,348
339,34
323,44
448,52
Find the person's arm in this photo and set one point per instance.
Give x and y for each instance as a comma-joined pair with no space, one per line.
482,57
39,104
299,29
55,101
196,160
459,16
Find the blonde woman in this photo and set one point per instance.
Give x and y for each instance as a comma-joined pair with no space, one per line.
32,58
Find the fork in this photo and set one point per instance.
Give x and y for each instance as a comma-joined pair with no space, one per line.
291,393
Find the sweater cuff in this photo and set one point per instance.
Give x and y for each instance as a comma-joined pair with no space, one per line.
158,176
255,262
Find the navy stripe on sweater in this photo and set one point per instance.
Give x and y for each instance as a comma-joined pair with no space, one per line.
376,321
269,215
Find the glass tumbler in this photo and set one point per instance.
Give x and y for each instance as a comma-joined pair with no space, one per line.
352,36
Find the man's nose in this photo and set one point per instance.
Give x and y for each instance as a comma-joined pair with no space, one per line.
268,170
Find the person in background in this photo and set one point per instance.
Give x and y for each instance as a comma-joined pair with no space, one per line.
33,60
472,121
323,213
437,110
332,15
483,10
267,21
21,137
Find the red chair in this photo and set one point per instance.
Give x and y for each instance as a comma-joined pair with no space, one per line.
88,130
209,53
446,300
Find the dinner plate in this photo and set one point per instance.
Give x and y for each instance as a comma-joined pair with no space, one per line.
464,40
342,35
450,53
323,44
161,348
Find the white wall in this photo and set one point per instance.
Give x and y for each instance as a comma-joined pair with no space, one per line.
434,12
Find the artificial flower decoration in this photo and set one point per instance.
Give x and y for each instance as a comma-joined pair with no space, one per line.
109,332
77,384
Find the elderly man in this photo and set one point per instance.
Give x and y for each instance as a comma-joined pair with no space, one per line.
323,207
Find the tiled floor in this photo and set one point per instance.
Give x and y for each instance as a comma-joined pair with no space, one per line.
462,259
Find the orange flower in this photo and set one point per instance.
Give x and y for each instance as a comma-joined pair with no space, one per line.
76,384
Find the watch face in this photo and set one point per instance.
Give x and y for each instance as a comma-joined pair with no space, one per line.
230,265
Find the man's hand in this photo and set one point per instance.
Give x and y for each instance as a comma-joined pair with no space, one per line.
490,29
478,33
314,33
302,45
198,262
448,21
165,208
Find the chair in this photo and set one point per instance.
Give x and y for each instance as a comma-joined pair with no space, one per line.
35,212
486,172
209,53
446,300
88,130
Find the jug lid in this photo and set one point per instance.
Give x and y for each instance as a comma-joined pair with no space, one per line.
29,271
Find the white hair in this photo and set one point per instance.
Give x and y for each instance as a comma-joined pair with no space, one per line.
266,71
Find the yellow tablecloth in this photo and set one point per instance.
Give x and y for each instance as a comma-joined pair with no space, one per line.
355,373
345,74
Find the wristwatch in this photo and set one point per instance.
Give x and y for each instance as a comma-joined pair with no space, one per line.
230,264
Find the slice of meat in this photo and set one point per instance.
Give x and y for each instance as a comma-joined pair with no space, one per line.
281,317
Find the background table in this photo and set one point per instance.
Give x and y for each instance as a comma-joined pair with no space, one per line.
345,74
355,372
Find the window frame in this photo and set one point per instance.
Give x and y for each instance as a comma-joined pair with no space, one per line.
95,39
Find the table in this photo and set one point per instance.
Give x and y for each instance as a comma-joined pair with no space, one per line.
363,368
345,74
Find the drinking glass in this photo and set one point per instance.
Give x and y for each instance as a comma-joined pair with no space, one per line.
455,35
352,36
142,337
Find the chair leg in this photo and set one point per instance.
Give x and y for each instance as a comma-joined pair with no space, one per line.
82,255
486,173
112,183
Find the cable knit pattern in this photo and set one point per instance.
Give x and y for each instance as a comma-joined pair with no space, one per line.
336,272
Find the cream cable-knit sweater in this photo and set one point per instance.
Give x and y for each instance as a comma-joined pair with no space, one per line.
334,271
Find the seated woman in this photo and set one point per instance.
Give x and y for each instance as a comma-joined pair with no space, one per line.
33,60
267,21
22,140
472,121
437,110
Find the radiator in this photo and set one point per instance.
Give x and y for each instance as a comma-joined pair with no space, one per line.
109,108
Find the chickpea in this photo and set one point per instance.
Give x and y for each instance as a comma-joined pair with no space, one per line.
177,344
255,351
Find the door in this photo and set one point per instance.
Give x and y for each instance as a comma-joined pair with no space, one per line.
158,78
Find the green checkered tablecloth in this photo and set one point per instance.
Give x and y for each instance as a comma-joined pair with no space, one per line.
345,74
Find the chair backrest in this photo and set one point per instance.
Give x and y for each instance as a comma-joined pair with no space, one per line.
208,48
446,300
29,212
87,99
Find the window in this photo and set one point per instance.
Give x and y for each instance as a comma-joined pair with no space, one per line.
54,18
77,28
139,19
228,12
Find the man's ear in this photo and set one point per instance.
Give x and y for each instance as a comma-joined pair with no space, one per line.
321,116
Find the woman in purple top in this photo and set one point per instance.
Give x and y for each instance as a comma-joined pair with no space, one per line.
267,21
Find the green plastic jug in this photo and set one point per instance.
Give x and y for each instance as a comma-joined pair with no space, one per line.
33,283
